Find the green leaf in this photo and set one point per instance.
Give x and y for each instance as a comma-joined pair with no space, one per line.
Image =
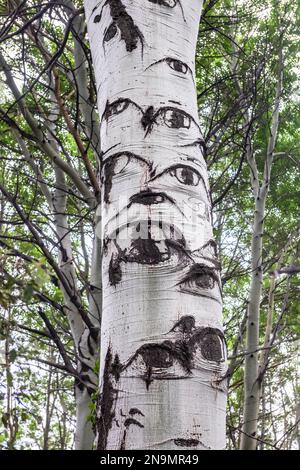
4,419
24,416
28,293
12,355
9,379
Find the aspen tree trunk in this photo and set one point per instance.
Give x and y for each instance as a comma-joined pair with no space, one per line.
48,406
252,379
86,348
162,346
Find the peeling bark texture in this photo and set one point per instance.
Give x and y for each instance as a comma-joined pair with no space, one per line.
163,353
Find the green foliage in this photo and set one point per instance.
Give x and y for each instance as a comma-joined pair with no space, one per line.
237,65
236,70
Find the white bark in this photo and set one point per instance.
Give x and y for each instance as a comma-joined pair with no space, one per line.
84,344
162,346
252,380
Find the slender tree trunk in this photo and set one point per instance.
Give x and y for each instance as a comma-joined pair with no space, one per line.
48,407
252,379
91,125
162,347
84,343
86,347
62,421
251,383
263,418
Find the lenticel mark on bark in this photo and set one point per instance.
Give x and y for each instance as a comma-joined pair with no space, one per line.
186,442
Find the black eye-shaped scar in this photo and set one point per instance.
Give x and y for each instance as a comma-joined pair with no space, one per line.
149,198
118,106
185,175
165,3
183,349
199,279
130,33
212,343
169,4
174,118
163,356
212,347
211,340
175,64
146,251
